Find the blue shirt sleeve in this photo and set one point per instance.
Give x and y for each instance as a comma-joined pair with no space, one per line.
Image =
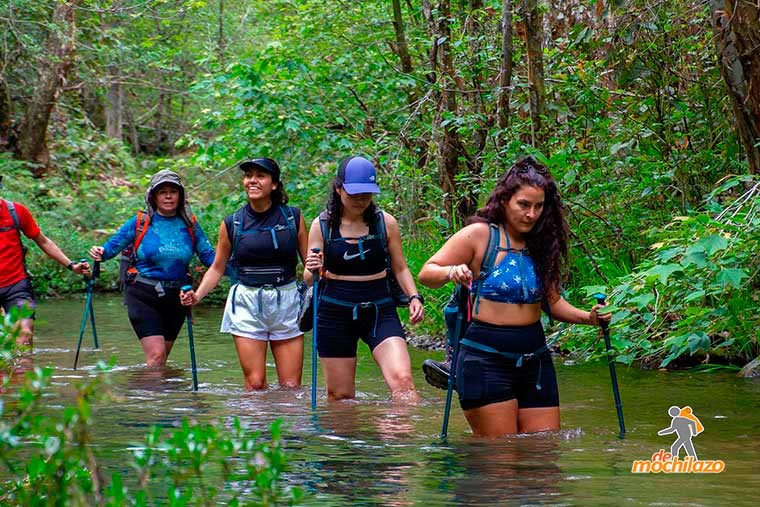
203,248
123,238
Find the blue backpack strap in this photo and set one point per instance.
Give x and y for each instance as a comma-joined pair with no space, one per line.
290,218
14,216
489,258
17,224
237,227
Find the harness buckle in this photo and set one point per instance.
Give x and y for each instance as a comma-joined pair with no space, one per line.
366,304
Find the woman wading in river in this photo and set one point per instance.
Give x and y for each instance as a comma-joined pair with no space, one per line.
504,373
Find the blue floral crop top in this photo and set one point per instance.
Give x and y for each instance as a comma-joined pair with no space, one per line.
514,279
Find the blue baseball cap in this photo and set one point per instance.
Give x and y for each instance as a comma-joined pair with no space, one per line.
357,175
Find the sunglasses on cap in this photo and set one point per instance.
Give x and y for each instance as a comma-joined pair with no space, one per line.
526,164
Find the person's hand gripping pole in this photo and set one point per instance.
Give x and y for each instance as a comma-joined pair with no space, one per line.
600,298
89,285
315,304
184,289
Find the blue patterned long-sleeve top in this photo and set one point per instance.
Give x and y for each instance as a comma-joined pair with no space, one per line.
166,249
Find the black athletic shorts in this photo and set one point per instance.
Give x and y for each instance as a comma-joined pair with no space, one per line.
151,315
483,378
18,294
338,333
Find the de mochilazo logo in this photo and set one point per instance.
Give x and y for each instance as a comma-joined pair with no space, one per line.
686,426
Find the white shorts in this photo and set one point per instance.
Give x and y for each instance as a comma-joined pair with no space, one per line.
259,316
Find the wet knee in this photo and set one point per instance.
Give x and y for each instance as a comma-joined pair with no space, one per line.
255,383
290,384
340,394
400,381
156,358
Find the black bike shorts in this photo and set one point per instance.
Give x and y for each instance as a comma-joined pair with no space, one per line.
151,315
483,378
19,295
338,334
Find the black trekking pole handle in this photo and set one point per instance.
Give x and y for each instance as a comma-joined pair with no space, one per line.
600,298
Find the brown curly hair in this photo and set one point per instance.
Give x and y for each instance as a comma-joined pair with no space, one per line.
547,240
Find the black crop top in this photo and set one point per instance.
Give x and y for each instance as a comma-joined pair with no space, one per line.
354,256
266,240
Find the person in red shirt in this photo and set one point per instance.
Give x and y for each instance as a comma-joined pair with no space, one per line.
15,287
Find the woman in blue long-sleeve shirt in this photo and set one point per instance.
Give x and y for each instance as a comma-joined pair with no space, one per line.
164,239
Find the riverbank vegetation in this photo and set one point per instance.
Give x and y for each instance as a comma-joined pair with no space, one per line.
641,109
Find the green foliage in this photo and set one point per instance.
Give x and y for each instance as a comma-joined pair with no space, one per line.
637,130
697,293
46,456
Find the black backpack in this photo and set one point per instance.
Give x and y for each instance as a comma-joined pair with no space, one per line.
399,298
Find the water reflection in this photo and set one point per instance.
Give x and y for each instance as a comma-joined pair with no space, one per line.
372,452
360,465
519,470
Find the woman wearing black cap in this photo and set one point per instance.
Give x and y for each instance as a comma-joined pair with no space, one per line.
262,242
361,248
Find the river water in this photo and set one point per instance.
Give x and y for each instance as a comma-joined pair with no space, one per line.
371,452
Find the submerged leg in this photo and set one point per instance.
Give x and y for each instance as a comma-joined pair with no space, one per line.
393,358
288,358
340,373
252,355
494,420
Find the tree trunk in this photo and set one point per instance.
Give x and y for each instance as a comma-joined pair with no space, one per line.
114,110
221,44
505,70
134,138
402,50
737,41
32,139
6,116
534,45
449,145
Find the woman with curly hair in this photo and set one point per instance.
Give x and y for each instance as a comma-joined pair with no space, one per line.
505,378
361,251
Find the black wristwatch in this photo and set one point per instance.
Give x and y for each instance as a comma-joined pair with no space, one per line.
70,266
417,296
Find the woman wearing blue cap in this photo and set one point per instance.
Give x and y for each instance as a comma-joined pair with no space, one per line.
261,244
361,258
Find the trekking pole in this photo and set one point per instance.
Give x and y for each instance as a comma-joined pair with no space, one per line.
615,390
95,275
452,366
314,304
186,288
89,284
450,388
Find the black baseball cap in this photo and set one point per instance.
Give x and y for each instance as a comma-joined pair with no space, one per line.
263,163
